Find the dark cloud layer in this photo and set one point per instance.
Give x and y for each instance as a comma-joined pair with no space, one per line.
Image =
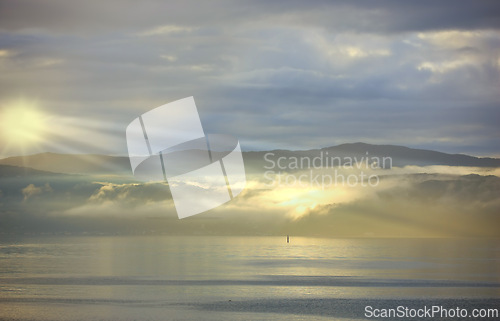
365,16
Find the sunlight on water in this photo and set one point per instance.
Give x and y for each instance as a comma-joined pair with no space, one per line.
188,278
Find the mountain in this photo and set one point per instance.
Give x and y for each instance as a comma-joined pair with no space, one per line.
255,161
72,163
403,156
410,203
400,156
17,171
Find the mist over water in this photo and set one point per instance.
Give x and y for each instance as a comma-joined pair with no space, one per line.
239,278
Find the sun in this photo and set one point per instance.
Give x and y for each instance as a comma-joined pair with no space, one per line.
22,125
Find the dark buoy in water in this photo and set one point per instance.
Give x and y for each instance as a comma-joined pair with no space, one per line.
288,238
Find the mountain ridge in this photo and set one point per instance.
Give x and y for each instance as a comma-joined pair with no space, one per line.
20,171
254,160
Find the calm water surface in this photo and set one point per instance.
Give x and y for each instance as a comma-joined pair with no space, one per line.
239,278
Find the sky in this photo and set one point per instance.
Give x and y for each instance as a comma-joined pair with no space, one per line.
275,74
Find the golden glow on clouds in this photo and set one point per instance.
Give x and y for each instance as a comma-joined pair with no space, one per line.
356,52
296,201
400,206
456,49
445,66
454,39
348,48
165,30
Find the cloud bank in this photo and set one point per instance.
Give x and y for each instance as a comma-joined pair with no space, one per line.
408,202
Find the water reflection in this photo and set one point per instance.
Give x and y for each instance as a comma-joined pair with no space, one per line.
164,271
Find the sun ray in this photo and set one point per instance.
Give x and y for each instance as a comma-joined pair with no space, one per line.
23,126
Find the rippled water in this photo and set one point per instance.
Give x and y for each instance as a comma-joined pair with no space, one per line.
239,278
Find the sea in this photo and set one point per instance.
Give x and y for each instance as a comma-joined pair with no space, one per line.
247,278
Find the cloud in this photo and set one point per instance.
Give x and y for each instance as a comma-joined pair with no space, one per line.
31,190
4,53
384,16
130,195
275,74
437,201
165,30
415,206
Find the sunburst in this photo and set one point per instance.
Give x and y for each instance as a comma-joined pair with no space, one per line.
22,125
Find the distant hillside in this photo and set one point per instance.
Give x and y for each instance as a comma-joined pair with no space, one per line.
408,156
72,164
400,155
17,171
254,161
